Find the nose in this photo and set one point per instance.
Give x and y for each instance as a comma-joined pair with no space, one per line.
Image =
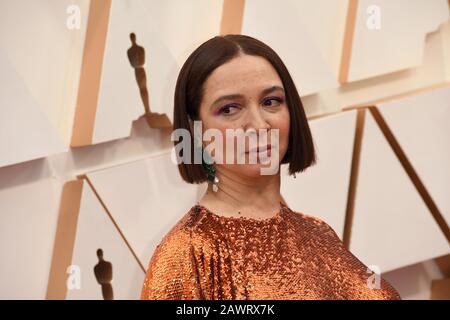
256,119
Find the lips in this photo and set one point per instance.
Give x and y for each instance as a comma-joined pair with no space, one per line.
260,149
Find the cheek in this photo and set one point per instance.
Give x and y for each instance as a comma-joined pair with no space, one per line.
282,123
219,132
279,121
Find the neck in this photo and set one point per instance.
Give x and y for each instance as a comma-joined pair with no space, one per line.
251,196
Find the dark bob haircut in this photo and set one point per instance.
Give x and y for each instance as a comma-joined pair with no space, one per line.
189,91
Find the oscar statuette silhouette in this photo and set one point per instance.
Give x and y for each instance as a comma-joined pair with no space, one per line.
103,274
136,56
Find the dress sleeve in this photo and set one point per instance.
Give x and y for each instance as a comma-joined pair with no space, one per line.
353,276
172,270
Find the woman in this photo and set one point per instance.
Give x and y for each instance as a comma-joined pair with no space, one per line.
241,240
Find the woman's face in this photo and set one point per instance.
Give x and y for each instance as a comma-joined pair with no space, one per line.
246,93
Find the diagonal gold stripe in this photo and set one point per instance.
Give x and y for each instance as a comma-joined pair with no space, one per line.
232,17
112,219
354,172
91,71
64,243
348,40
443,263
420,187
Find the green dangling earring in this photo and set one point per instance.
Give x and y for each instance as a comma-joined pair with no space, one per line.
210,171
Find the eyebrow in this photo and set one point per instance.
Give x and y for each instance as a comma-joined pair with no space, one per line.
236,95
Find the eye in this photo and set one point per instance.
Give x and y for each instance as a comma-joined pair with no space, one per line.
228,109
273,101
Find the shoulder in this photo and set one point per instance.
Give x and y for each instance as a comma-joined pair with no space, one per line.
182,229
172,272
342,263
314,224
179,237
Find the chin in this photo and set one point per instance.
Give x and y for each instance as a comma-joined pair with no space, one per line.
250,170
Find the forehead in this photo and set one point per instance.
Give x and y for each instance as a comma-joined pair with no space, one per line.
243,74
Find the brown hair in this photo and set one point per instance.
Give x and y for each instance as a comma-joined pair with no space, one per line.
189,92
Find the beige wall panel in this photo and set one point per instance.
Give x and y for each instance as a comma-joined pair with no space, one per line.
271,23
146,198
421,124
325,22
321,190
168,31
96,230
392,227
414,282
431,73
397,41
29,203
41,52
142,143
26,132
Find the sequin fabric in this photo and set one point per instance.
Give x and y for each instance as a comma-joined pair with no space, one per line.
290,255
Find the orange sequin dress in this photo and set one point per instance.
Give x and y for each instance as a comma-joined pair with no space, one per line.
290,255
